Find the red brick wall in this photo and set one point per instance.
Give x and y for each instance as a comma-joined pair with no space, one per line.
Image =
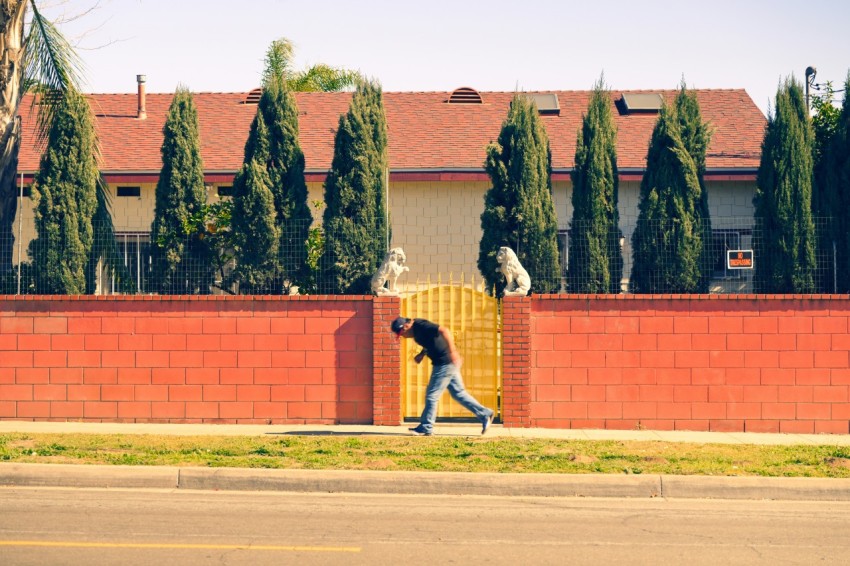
387,363
721,363
516,362
179,359
733,363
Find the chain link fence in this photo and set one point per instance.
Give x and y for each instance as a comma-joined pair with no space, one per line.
726,257
202,264
132,264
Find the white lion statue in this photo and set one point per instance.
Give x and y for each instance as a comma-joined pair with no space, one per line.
519,283
389,272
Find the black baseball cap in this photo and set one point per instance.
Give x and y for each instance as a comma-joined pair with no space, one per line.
398,324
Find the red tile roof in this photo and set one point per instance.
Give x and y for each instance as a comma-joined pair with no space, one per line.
425,133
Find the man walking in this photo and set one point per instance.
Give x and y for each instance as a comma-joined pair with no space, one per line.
437,343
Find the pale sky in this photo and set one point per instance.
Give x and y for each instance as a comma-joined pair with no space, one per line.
440,45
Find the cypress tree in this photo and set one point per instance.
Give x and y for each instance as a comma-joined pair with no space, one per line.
64,192
256,235
696,137
595,258
355,217
254,219
518,209
667,241
784,247
181,261
273,144
285,165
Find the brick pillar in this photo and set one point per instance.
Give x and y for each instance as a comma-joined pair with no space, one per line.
516,361
386,360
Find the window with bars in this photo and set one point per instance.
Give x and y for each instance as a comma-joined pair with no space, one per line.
135,252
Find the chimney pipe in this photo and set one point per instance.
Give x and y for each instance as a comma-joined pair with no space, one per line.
143,114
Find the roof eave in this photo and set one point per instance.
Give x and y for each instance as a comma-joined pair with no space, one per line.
740,174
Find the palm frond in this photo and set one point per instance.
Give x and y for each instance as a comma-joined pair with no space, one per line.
323,78
278,60
318,78
51,67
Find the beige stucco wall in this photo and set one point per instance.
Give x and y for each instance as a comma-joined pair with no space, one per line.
438,224
133,214
726,201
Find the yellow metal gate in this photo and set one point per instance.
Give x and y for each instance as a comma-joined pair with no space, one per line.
473,318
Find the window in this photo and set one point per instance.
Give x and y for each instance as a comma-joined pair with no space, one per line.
564,250
134,248
27,191
225,192
129,191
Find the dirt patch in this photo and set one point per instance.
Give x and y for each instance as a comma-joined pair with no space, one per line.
481,457
380,464
583,459
59,460
838,462
21,445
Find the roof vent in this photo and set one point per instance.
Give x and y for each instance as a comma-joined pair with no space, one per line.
646,103
253,96
465,95
546,103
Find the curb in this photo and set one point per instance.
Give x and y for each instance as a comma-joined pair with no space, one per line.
72,475
424,483
789,489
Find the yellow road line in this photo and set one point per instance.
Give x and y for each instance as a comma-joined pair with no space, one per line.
72,544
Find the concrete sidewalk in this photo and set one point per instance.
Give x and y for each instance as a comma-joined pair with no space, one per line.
441,429
550,485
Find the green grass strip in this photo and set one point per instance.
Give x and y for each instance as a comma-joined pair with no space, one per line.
454,454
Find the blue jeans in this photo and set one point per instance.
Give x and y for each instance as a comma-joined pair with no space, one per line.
448,376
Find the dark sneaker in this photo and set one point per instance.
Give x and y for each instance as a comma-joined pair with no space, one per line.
488,422
419,431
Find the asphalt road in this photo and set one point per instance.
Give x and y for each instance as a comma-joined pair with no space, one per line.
94,526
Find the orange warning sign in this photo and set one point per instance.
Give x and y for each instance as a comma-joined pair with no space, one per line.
739,259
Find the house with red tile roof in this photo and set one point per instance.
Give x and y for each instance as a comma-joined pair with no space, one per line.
437,144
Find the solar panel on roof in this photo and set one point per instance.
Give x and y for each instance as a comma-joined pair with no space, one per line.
547,103
642,102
